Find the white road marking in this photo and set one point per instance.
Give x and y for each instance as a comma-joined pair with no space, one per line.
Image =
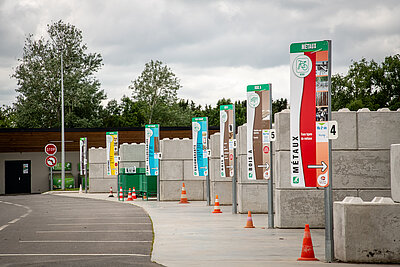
97,231
97,218
83,241
14,255
3,226
15,220
79,224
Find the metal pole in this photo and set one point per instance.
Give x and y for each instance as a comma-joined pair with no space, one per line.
234,189
271,195
51,178
62,128
208,184
85,164
158,185
271,181
329,248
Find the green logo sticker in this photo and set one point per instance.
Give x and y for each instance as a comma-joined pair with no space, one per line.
302,66
253,100
296,180
224,116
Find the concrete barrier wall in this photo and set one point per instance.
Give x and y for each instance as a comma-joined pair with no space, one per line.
395,171
177,168
99,180
367,231
360,158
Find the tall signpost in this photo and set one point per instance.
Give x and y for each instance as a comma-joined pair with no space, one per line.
310,104
83,159
228,148
259,137
200,151
112,153
152,152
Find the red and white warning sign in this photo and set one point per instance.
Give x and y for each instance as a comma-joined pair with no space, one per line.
50,149
51,161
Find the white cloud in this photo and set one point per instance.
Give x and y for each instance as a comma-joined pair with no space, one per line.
216,48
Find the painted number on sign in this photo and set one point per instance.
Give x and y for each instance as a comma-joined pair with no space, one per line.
333,130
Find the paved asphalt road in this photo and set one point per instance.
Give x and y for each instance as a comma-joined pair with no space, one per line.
48,230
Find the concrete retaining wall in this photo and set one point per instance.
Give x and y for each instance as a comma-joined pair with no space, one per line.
99,180
360,158
177,168
367,231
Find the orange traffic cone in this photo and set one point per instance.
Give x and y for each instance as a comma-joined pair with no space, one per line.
134,193
249,223
121,194
307,252
111,193
216,206
129,195
183,195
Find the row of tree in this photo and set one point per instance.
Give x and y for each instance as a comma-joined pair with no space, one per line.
154,93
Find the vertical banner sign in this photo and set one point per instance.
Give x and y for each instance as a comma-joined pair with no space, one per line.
82,155
309,107
258,131
112,153
227,122
200,141
152,148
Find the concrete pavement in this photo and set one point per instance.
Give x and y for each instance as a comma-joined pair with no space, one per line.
191,235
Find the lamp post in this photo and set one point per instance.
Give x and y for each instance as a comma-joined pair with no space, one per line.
62,118
62,128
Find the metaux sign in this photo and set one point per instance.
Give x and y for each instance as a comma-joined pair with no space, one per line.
309,106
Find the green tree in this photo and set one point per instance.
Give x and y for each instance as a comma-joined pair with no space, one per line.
38,78
368,84
156,88
6,117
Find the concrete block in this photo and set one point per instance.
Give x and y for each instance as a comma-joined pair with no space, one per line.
340,194
176,149
137,164
188,171
295,208
395,171
361,169
282,171
224,192
215,174
214,145
366,231
97,155
96,170
347,124
242,140
252,197
282,127
132,152
368,195
171,190
242,172
171,170
103,185
378,130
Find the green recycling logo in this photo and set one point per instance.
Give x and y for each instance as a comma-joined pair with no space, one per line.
253,99
296,180
302,66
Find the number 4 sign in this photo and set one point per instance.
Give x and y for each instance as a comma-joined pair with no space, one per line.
333,130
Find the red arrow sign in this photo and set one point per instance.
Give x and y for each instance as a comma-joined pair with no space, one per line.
50,149
51,161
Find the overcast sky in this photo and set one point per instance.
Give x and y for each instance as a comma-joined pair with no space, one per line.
216,48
